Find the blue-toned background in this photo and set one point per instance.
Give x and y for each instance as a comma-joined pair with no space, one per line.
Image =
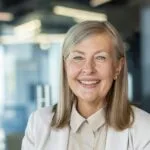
31,36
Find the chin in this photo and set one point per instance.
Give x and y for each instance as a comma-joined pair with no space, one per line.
88,99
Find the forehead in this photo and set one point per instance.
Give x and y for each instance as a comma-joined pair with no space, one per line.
96,42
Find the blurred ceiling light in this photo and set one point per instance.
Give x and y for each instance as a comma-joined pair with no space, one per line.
95,3
79,15
41,38
28,27
49,38
14,39
44,47
5,16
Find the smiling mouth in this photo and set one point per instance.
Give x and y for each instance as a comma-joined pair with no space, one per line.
89,84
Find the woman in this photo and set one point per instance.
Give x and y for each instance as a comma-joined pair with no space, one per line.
93,111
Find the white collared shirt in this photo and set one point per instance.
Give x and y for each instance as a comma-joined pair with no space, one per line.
87,134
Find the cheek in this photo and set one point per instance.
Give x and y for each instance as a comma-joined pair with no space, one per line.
71,70
107,71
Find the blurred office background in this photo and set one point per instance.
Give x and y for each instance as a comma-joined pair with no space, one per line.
31,35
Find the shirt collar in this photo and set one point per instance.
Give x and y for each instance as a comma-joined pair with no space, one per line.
96,120
76,119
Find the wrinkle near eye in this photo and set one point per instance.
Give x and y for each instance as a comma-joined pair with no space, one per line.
101,58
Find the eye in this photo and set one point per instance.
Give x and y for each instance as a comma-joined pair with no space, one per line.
77,58
101,58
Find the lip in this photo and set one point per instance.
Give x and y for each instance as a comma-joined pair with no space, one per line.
88,79
90,83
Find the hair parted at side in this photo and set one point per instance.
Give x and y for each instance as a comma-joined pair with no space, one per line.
119,113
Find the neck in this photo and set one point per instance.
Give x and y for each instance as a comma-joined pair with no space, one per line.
86,109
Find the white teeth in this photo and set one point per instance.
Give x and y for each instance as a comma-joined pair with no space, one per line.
89,82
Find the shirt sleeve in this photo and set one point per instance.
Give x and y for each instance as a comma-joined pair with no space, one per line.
141,130
28,142
147,145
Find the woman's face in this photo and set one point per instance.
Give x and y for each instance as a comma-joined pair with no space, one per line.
91,67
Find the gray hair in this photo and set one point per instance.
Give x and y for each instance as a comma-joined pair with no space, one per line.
117,97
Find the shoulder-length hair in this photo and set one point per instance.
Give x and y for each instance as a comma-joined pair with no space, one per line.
119,113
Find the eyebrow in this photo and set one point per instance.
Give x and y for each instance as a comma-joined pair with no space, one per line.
78,51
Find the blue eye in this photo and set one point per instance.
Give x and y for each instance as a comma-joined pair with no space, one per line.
101,58
78,58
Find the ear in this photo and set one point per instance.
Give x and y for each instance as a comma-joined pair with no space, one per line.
119,66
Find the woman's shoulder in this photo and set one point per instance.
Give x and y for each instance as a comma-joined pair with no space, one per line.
44,111
139,133
37,127
141,116
141,125
42,116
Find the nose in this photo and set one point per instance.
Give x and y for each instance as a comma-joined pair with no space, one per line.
88,67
